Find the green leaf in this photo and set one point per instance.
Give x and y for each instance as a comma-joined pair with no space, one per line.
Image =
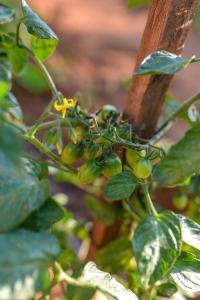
190,232
20,192
7,14
166,289
162,62
43,48
101,210
105,282
121,186
156,246
136,3
10,146
182,160
4,89
115,256
186,272
24,256
17,56
14,107
5,70
44,217
44,40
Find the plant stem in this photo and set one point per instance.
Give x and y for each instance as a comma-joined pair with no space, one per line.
41,118
32,140
65,277
149,203
55,93
175,114
132,208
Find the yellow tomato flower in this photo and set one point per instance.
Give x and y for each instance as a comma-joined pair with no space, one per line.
67,103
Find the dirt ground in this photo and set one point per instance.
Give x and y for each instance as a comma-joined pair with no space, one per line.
96,53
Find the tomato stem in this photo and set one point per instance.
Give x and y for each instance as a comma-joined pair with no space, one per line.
149,203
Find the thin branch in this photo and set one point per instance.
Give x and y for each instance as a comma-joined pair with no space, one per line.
35,142
167,124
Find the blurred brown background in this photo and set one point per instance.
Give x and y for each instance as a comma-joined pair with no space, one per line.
97,49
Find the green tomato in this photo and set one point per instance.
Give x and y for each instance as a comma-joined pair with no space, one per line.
142,168
180,201
108,111
112,166
93,151
132,156
77,134
72,153
89,171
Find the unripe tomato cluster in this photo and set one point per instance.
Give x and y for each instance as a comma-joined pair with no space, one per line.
95,146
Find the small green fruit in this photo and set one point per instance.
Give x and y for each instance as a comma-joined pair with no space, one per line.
180,201
72,153
89,171
112,166
142,168
93,151
132,156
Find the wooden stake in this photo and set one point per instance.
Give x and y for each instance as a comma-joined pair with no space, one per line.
166,29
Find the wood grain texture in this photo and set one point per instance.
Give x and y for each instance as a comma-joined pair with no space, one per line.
166,29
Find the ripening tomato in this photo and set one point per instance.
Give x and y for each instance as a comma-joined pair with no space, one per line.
72,153
108,111
89,171
180,201
112,166
142,168
92,151
132,156
76,134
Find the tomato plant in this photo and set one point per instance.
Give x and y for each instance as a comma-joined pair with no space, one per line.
157,252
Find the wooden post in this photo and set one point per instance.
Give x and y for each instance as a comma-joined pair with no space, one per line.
166,29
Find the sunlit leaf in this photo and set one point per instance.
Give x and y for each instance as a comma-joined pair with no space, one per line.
43,48
186,272
44,40
156,246
162,62
190,232
105,282
24,256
